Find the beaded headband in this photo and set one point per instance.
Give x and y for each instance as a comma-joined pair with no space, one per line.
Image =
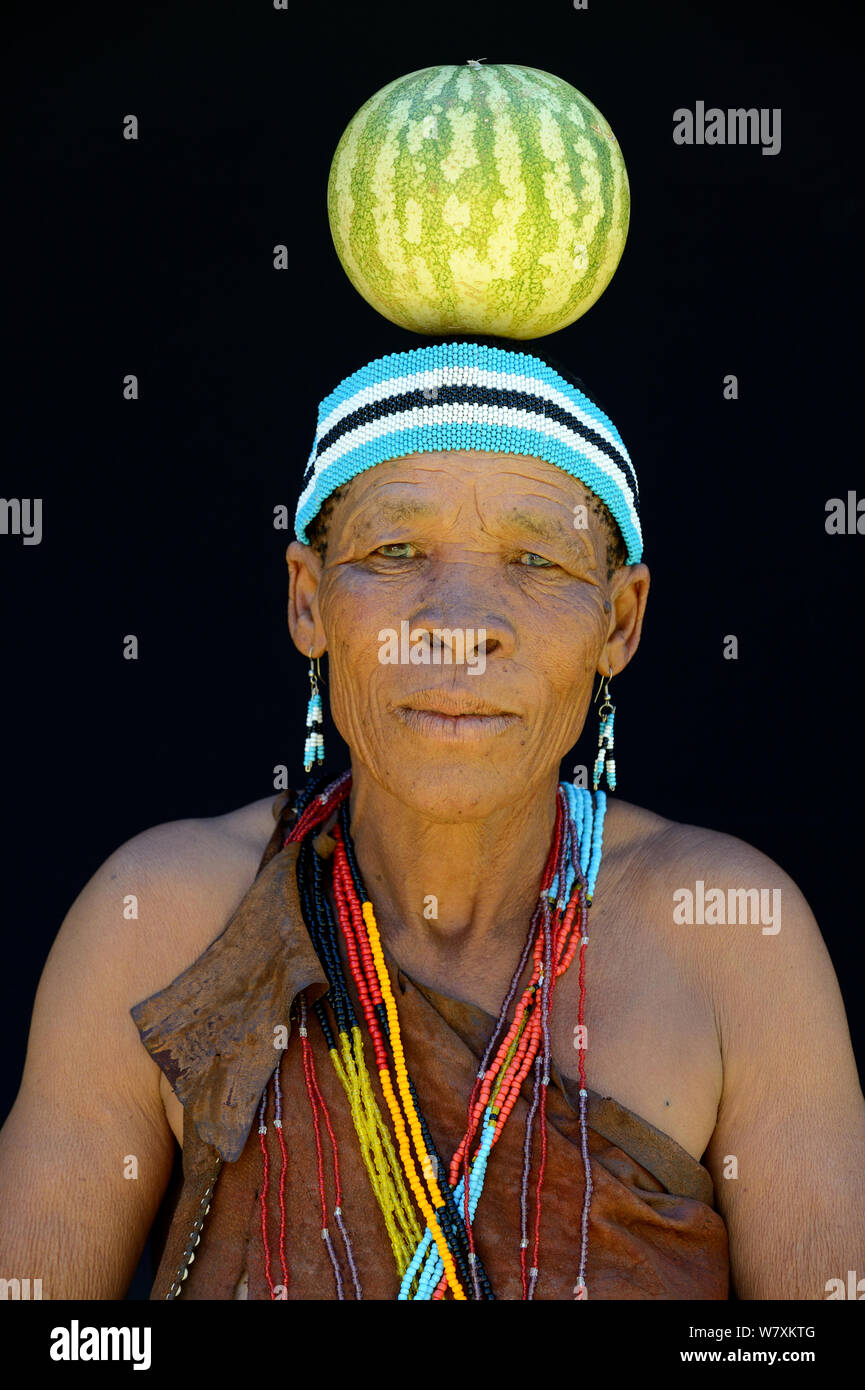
466,395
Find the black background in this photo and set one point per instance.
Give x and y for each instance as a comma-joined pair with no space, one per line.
155,258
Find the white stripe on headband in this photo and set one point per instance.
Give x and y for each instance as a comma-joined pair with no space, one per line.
434,377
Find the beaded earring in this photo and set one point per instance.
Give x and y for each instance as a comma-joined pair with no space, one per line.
313,749
605,762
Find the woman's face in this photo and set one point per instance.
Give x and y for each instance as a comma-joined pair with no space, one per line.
501,555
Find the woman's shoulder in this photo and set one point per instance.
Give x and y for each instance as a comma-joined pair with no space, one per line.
175,885
680,876
637,833
186,854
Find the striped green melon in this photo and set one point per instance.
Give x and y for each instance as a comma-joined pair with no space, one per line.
479,199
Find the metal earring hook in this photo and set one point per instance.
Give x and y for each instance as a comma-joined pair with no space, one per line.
318,675
603,681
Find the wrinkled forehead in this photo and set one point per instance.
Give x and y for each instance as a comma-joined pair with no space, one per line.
466,498
433,484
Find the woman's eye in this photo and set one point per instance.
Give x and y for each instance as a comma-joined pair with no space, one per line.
530,558
404,550
387,550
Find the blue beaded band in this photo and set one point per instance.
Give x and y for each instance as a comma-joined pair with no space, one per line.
468,396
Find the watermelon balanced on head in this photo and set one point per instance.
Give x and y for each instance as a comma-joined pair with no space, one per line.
479,199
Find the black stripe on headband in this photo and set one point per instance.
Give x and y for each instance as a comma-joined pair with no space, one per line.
481,395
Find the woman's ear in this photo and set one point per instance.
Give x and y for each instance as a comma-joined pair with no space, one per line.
628,595
304,620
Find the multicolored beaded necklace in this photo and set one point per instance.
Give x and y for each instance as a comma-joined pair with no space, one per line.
435,1252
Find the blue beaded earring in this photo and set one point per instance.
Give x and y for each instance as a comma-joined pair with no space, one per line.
605,762
313,749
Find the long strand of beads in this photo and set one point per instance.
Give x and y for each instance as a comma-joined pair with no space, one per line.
337,1183
590,859
277,1124
524,1181
546,1005
265,1183
580,1289
322,1195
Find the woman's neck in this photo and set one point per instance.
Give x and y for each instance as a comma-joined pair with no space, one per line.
449,895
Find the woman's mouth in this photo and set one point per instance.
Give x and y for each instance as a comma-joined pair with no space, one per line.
453,716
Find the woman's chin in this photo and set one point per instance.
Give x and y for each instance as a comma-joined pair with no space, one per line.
454,789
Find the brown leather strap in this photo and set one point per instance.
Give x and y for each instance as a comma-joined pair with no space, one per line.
213,1030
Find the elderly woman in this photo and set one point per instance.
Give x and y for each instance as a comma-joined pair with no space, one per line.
457,1039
